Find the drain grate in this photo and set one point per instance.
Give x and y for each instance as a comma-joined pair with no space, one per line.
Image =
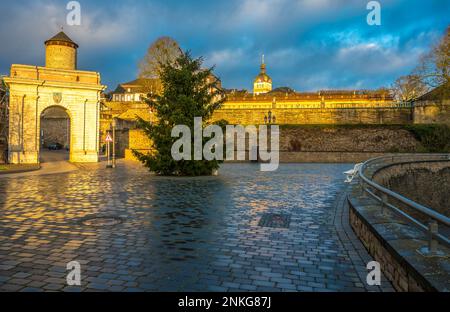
275,220
101,221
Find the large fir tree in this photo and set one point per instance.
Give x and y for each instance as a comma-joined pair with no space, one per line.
188,92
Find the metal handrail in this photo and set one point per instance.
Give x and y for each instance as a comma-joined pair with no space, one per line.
385,193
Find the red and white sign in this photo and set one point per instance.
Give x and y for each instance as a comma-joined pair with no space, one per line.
108,138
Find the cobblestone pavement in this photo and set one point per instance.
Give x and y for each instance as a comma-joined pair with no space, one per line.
180,234
52,162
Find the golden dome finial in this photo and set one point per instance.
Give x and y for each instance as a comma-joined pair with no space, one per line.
263,65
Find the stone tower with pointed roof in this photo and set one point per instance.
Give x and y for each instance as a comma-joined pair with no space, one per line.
61,52
262,83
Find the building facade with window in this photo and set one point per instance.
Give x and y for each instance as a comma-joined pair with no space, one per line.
135,90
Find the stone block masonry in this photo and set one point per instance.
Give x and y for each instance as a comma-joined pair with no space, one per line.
302,116
409,179
394,241
34,89
137,141
428,112
347,138
401,277
324,143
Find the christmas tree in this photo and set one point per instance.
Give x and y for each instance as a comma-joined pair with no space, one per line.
188,91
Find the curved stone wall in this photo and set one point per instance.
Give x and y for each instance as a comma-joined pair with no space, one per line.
61,57
396,243
427,183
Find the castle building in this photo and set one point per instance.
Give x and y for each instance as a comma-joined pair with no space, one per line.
262,83
282,104
266,105
47,94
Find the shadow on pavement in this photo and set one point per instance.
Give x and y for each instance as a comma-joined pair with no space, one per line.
47,156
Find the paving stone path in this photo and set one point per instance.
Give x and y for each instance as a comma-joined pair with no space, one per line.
180,234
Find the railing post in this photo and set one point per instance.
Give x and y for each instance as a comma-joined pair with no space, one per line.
384,201
432,230
361,184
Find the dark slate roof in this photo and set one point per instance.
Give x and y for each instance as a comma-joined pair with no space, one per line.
61,36
282,90
140,85
440,93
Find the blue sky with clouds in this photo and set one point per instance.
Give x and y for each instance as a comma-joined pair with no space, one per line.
308,44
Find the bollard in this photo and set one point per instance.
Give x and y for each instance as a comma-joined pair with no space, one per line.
432,230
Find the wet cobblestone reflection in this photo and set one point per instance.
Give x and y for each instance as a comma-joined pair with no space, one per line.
190,234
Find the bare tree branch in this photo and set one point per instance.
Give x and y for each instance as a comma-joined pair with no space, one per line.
163,51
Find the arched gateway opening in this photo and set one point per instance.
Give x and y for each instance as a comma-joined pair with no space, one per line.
54,134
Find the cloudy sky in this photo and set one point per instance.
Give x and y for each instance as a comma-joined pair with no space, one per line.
308,44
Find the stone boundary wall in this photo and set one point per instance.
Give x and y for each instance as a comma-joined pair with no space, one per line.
298,157
394,241
383,175
322,144
302,116
426,112
136,140
427,183
130,156
360,139
301,157
402,276
327,157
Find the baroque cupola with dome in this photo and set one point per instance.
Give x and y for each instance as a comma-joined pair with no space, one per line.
262,83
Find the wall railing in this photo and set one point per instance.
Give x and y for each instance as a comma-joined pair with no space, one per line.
387,197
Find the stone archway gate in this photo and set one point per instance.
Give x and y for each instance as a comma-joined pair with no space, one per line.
32,89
